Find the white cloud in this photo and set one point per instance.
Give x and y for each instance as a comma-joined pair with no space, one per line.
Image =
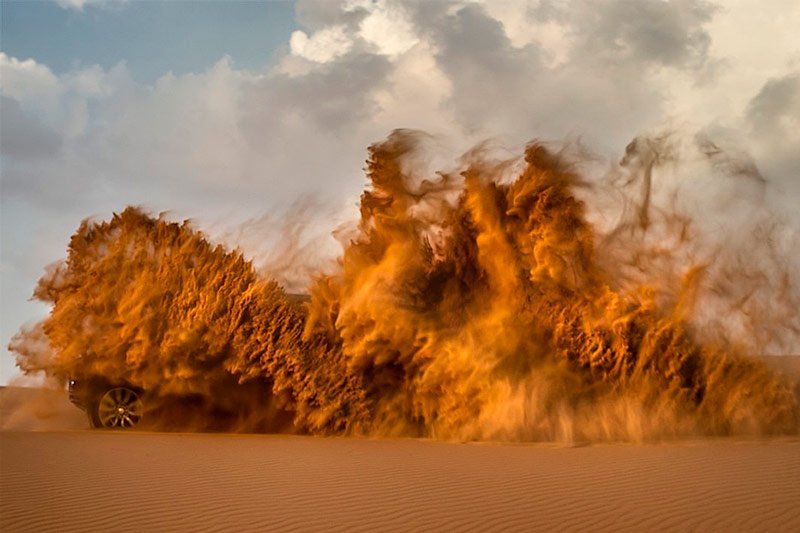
415,94
78,5
27,81
381,27
534,22
465,69
387,26
323,46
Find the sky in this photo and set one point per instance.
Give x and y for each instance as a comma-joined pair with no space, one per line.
235,113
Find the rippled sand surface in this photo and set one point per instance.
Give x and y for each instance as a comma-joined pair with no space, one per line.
82,480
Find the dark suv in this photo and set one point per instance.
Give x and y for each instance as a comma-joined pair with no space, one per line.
226,405
115,403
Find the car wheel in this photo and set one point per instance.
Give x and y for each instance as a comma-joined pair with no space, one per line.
119,407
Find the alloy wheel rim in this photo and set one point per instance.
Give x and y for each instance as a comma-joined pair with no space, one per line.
120,407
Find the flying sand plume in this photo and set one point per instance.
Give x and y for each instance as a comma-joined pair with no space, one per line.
465,307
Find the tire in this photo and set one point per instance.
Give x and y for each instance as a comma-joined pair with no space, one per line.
116,408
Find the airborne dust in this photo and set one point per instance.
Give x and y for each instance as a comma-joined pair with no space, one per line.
475,304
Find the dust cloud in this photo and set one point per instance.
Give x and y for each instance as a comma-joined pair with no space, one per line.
508,299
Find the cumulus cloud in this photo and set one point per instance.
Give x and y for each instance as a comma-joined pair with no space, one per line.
358,68
323,46
645,33
387,26
773,120
26,80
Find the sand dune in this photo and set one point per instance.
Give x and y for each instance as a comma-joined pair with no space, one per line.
61,477
93,481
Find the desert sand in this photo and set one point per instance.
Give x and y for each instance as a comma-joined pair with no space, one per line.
57,476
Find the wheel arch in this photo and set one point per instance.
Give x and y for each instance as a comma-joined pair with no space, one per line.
98,387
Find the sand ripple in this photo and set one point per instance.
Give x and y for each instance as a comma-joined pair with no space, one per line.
97,481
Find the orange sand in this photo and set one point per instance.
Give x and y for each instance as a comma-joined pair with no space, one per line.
82,480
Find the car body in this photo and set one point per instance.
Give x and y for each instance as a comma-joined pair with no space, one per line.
113,403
